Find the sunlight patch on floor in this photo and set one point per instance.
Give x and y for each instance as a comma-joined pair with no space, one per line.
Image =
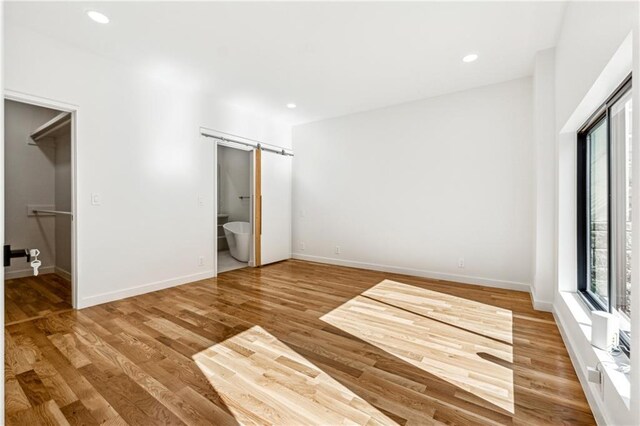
446,336
262,380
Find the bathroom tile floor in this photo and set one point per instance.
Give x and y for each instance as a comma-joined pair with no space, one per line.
226,262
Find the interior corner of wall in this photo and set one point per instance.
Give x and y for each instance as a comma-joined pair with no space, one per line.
539,302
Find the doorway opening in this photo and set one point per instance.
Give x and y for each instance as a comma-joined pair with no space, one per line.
267,231
39,246
234,189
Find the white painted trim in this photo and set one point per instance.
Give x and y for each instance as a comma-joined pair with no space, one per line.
142,289
63,273
27,98
576,360
2,206
540,305
464,279
215,206
22,273
14,95
252,190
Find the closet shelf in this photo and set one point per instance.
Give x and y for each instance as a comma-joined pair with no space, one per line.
51,127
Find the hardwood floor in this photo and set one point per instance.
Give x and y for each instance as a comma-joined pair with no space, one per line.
296,343
33,297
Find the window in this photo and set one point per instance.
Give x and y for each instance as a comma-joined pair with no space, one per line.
604,209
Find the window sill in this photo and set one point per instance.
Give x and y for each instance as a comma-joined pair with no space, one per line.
610,365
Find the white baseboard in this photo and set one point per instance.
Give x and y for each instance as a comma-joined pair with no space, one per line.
464,279
540,305
579,366
63,273
141,289
22,273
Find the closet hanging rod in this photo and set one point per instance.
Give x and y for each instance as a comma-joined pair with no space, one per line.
53,212
277,150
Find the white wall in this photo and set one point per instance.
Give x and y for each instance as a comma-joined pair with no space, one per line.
417,186
138,146
29,179
591,34
235,181
544,146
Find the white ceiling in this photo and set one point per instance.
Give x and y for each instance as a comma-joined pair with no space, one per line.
329,58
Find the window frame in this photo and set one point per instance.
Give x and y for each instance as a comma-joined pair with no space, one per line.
583,209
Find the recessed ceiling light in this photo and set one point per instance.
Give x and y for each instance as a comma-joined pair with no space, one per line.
470,57
291,105
98,17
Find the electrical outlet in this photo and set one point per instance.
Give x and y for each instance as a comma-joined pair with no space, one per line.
594,375
461,263
96,200
302,245
201,261
338,250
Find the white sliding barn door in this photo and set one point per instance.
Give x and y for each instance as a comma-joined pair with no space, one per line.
275,185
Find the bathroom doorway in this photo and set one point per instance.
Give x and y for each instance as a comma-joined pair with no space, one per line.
254,178
234,207
39,245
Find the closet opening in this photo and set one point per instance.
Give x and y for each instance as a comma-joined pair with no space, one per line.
39,244
234,218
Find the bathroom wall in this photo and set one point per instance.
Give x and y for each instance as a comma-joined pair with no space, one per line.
235,181
29,179
63,203
419,187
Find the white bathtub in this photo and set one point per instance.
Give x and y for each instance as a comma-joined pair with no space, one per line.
238,236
